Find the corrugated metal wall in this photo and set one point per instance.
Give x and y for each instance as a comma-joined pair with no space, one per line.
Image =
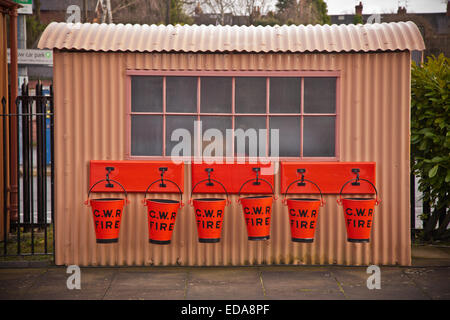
90,95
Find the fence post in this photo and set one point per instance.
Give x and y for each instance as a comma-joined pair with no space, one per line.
4,213
412,186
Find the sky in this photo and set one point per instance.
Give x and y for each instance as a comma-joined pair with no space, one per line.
385,6
382,6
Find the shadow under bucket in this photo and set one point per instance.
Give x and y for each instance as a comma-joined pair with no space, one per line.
107,214
257,214
162,214
303,214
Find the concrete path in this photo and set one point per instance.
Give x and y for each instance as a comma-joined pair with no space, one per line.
428,278
255,283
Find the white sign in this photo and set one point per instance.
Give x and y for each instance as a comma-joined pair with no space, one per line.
33,56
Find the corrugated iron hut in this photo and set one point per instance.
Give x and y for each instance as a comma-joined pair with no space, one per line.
339,95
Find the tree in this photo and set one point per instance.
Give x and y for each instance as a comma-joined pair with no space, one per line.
357,19
430,141
302,12
177,13
147,12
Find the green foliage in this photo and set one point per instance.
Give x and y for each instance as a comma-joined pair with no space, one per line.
269,20
177,14
357,19
282,5
34,30
303,12
430,137
323,17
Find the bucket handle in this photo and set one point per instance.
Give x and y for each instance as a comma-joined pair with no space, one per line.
377,200
179,189
209,180
256,179
109,181
322,201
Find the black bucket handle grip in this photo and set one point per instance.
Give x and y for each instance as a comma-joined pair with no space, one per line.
322,201
256,179
377,200
209,180
107,180
179,189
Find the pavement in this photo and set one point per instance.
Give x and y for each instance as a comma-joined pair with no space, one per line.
427,279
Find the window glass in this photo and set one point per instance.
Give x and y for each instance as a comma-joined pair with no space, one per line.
285,95
180,122
320,95
215,94
242,139
220,123
319,136
289,136
146,135
181,94
146,94
250,95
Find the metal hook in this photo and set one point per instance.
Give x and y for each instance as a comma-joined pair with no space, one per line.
257,170
163,170
356,171
108,182
302,179
209,170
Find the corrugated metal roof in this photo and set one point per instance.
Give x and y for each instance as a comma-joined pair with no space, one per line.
160,38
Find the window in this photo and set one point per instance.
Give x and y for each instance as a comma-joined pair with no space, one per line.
301,107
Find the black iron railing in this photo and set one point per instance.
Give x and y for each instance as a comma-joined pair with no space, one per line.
30,231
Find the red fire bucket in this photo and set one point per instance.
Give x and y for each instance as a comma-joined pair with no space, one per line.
162,214
209,214
257,212
303,214
107,214
358,214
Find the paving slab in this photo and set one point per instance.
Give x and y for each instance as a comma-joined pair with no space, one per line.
52,285
146,284
301,283
434,282
14,283
395,284
224,284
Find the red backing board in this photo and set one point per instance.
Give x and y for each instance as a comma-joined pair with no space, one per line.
233,176
329,176
136,175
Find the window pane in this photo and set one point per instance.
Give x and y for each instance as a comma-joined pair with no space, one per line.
180,122
289,136
146,94
146,135
320,95
220,123
216,94
285,95
181,94
319,136
250,95
252,136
